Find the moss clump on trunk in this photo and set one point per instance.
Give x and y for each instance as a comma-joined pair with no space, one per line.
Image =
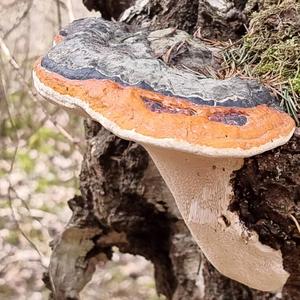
270,52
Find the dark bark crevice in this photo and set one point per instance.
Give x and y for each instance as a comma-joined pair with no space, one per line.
210,22
111,179
110,9
226,24
226,21
158,14
152,230
267,199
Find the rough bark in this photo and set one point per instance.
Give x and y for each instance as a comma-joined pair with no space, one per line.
211,18
267,194
109,8
125,202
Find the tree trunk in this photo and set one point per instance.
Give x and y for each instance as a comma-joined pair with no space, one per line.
125,202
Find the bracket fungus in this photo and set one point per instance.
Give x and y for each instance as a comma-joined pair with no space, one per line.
197,131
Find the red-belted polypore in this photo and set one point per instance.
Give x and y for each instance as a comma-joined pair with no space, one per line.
197,130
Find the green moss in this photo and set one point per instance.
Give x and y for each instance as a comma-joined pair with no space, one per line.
266,68
43,184
13,238
40,140
296,84
270,51
26,162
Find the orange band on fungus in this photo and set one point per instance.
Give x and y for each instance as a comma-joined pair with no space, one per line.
125,106
57,39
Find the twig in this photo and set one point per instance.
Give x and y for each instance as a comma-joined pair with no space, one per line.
12,163
295,221
33,95
3,96
69,7
58,14
19,20
10,200
166,57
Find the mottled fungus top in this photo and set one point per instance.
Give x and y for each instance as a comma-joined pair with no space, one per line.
113,75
